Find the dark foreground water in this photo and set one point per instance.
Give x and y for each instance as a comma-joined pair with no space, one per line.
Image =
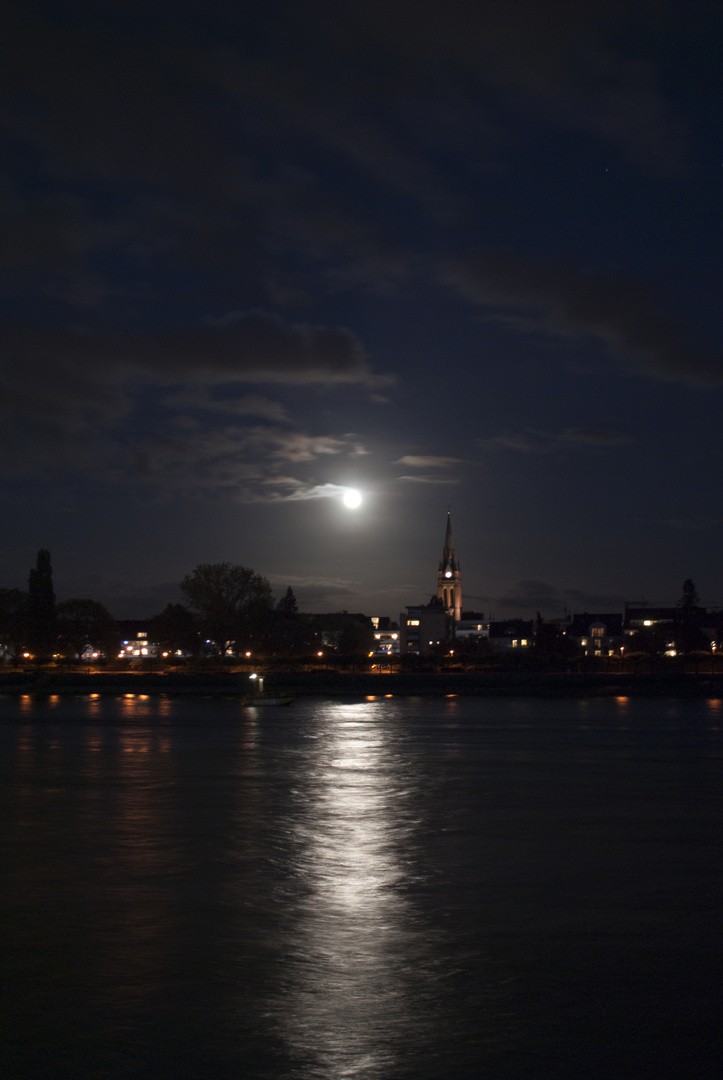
394,888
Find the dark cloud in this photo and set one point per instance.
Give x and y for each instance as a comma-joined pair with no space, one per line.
46,371
73,398
255,405
563,61
50,231
534,441
249,347
571,302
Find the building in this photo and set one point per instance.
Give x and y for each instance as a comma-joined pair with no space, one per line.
138,647
471,627
449,577
425,628
597,633
641,617
386,637
511,634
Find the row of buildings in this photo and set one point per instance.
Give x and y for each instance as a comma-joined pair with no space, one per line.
440,624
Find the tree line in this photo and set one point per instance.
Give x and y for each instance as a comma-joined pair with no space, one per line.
226,608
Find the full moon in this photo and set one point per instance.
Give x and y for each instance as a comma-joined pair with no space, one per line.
352,498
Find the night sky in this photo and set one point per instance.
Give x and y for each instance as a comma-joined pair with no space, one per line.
459,256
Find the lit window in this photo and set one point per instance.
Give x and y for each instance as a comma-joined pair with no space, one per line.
647,622
412,622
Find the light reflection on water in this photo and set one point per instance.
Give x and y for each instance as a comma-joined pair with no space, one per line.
348,1008
381,890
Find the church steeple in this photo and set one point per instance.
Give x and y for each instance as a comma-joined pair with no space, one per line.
449,577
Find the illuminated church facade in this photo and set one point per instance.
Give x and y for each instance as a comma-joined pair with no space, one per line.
425,628
449,577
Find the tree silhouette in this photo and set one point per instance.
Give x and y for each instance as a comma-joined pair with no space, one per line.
690,598
41,608
175,628
233,603
13,621
83,623
291,632
287,605
689,636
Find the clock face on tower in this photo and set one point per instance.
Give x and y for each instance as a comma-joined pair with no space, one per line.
447,573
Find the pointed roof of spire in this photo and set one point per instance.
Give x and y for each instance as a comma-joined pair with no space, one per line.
448,541
449,559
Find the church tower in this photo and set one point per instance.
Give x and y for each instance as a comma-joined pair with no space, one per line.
449,577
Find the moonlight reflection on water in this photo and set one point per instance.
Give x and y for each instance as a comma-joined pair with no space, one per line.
353,997
386,890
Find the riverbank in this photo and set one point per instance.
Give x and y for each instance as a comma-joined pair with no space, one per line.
365,684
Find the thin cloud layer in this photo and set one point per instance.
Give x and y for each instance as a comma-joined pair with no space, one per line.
427,461
245,464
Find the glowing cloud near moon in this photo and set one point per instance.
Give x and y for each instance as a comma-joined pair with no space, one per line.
352,498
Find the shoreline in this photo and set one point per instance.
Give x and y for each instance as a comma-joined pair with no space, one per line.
364,684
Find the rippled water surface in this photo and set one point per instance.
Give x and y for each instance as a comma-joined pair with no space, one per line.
380,889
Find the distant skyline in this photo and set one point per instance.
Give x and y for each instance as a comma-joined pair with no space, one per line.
459,256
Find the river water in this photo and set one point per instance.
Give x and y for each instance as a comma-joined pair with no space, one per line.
381,889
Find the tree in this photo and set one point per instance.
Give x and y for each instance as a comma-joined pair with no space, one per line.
13,621
175,628
689,636
352,635
549,641
287,605
83,623
233,603
41,607
291,634
689,600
